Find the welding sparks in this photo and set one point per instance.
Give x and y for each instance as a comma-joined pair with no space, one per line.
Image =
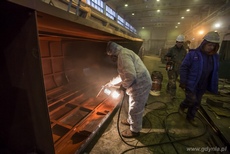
107,91
110,88
112,92
115,94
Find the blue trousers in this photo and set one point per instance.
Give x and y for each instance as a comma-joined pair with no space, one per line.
192,101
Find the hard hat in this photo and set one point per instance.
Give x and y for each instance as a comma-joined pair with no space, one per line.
212,37
180,38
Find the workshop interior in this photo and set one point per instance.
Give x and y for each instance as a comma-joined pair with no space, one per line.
54,68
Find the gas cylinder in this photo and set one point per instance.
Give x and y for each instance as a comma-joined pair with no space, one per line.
157,79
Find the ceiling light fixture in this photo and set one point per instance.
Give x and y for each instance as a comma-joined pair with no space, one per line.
201,32
158,10
133,14
188,10
217,25
126,5
182,17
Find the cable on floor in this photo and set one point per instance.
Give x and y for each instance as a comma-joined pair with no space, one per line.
166,130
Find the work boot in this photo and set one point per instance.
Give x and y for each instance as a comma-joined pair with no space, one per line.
129,134
125,122
193,122
181,111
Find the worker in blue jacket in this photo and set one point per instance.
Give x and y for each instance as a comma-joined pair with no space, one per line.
198,73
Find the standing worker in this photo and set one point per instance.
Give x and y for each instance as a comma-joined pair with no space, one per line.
174,58
199,72
136,82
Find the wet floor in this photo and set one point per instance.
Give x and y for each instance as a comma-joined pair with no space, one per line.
164,130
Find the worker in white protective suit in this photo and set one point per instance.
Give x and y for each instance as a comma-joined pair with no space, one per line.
135,81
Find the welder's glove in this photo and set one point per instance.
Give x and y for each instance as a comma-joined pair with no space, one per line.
122,88
182,85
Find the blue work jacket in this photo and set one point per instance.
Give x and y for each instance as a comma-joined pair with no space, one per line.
191,70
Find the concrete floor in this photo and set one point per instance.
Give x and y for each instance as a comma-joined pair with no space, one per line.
164,130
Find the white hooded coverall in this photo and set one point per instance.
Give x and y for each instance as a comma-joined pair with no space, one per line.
135,79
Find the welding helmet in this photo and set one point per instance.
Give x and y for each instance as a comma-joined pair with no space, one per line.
180,38
212,37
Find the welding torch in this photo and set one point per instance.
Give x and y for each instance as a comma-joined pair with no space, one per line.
109,89
103,87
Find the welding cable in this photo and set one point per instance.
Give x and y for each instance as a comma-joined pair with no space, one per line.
118,120
163,125
158,144
167,132
169,142
169,136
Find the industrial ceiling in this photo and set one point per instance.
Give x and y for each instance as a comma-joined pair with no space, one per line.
169,14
